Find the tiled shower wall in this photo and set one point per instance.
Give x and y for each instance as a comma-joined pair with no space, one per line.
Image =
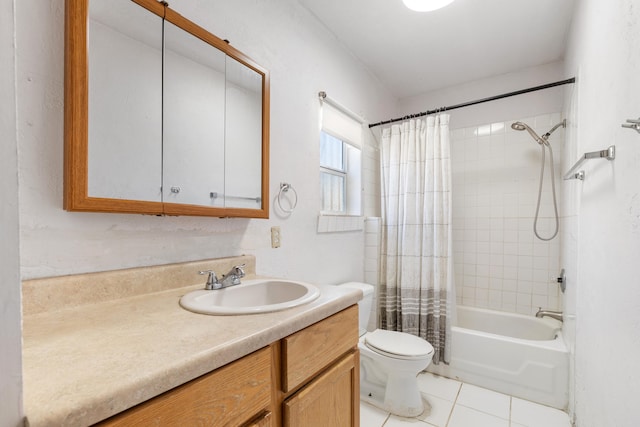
372,229
499,263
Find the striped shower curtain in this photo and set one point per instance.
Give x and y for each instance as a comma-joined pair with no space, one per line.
417,293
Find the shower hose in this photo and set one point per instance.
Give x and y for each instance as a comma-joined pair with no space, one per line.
553,189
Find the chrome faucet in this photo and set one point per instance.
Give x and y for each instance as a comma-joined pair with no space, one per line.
233,276
230,279
549,313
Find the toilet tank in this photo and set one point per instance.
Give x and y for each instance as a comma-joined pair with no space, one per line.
364,305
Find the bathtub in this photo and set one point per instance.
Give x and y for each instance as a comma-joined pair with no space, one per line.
509,353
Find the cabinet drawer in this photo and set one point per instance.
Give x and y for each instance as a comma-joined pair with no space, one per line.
230,395
310,350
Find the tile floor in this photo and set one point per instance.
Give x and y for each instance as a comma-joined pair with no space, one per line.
456,404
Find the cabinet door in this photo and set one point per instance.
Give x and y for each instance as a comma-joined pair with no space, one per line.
193,120
332,399
124,102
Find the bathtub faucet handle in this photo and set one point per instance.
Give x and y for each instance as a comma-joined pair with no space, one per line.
562,281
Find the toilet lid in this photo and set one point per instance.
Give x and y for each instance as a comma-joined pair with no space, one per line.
398,344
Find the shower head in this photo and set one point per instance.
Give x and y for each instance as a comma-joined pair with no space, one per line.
524,126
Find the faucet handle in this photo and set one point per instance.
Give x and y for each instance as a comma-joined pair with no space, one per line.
238,270
233,276
212,279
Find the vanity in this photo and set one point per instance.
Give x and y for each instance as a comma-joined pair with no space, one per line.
115,348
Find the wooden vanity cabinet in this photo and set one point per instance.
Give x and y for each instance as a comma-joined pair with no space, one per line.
321,373
310,378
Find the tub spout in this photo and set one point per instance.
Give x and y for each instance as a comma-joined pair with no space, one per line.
549,313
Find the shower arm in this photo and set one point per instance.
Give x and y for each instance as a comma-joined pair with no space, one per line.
563,123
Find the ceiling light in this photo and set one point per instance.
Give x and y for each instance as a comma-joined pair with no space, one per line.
426,5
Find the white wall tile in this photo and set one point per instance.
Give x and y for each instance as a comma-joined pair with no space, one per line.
371,226
371,239
499,261
371,277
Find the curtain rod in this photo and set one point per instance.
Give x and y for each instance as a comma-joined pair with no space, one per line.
478,101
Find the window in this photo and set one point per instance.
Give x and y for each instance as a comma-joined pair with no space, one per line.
333,173
340,163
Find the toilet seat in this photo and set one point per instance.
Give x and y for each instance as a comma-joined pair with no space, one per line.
398,345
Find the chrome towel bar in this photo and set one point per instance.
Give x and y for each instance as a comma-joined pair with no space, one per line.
632,124
214,195
609,154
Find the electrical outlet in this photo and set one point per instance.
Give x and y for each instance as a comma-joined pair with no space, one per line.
275,237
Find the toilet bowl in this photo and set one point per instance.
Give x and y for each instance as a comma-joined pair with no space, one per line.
390,363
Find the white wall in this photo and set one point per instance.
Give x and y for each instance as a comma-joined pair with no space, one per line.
604,212
10,306
303,58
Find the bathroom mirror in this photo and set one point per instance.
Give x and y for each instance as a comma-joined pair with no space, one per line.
125,102
194,119
161,116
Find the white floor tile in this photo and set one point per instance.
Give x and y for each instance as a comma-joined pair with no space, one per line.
532,414
370,416
454,404
441,387
440,410
484,400
467,417
394,421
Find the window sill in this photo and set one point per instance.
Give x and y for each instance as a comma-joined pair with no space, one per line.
339,223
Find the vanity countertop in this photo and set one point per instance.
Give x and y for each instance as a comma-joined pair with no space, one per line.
86,363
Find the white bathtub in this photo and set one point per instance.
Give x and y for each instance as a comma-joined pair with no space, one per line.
510,353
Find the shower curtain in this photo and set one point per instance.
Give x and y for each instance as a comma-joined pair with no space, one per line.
417,293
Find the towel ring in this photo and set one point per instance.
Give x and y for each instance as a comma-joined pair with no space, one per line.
284,187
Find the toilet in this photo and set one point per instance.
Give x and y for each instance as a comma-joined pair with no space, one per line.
389,363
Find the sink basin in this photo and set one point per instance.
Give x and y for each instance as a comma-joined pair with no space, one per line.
252,296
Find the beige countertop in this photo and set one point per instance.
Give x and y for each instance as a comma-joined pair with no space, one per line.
85,363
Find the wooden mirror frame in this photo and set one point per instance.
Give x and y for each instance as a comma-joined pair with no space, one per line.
76,121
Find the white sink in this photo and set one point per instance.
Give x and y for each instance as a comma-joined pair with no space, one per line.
252,296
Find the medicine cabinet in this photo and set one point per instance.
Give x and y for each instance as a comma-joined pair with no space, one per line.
161,116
